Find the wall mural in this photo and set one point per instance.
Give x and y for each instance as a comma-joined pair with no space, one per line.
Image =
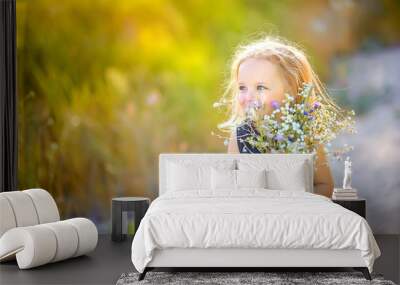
105,86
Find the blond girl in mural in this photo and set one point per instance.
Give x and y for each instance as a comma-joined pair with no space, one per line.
272,78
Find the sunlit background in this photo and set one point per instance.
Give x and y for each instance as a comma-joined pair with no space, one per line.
105,86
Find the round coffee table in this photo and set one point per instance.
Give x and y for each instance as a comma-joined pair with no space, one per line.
122,208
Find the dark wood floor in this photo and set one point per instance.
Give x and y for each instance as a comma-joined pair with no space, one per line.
103,266
110,260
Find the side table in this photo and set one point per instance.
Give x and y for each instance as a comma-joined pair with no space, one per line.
358,206
120,207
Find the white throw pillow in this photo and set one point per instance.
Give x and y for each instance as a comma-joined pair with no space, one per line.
223,179
291,179
227,179
251,178
282,174
188,175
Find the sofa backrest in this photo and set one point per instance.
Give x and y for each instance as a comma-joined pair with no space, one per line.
271,161
26,208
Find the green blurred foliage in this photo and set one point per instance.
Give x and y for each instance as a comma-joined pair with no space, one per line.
105,86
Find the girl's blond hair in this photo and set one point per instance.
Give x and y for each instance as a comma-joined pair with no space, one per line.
294,65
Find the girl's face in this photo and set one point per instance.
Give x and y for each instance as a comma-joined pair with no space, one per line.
260,79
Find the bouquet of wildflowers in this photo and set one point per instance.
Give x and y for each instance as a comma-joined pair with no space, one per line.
297,125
